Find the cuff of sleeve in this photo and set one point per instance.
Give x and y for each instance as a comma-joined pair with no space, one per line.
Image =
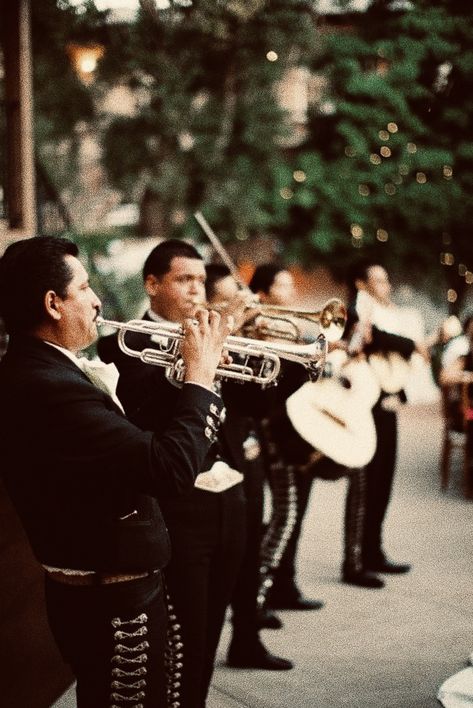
210,405
193,383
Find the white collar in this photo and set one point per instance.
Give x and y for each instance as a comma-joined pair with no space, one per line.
154,316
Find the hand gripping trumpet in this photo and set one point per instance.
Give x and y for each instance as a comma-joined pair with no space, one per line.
253,360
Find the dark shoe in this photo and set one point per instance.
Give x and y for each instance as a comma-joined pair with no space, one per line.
362,578
387,566
268,620
256,657
297,602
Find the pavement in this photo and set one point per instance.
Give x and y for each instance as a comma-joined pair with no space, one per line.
388,648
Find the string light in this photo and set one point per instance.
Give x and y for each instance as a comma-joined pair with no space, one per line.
375,159
447,259
390,189
271,56
403,169
382,235
469,277
286,193
350,151
383,135
462,269
241,234
385,151
452,295
299,176
363,190
397,179
356,231
447,172
411,148
421,177
392,127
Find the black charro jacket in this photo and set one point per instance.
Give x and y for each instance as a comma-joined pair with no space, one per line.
84,480
147,395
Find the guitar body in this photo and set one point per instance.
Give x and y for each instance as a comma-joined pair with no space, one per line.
334,414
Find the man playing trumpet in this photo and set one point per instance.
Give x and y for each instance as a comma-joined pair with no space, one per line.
207,526
87,483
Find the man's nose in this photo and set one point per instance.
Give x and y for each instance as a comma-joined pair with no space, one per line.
96,302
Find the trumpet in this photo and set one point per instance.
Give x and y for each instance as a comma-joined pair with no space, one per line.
252,360
331,320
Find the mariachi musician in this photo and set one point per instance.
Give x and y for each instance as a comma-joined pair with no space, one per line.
274,286
246,649
206,526
388,353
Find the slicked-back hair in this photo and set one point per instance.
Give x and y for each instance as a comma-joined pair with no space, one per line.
28,269
158,263
214,272
264,276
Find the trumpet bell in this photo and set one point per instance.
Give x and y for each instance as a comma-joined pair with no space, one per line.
288,323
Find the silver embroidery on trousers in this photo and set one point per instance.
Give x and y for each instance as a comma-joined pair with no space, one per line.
136,684
127,699
141,659
123,649
173,657
142,671
120,689
283,515
138,633
141,619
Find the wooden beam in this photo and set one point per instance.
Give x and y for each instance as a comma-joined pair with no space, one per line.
20,172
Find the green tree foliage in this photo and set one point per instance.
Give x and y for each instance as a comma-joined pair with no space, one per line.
388,161
208,130
60,99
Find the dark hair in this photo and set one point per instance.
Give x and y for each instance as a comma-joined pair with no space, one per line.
359,271
467,321
28,269
264,277
215,272
159,260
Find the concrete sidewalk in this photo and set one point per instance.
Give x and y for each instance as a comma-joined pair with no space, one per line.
388,648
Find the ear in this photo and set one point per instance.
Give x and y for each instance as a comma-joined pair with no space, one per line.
360,284
151,285
52,305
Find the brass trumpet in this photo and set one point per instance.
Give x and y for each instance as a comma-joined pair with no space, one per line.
331,320
253,360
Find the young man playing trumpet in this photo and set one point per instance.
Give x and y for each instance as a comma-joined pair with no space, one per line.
246,648
207,526
87,483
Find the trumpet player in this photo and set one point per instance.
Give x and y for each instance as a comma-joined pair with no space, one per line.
207,526
86,481
246,648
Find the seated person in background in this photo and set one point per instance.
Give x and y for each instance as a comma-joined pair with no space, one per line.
446,344
453,374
